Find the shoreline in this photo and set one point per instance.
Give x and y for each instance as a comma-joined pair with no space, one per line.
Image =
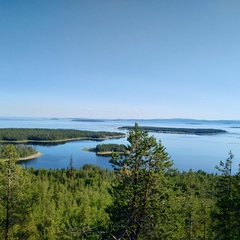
30,157
108,153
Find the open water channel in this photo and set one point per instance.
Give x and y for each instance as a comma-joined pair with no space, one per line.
187,151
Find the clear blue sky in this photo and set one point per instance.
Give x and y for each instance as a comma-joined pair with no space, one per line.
120,59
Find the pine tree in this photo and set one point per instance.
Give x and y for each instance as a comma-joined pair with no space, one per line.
15,197
227,212
143,192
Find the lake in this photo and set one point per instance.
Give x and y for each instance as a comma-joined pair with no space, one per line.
187,151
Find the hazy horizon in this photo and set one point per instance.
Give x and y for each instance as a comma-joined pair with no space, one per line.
87,118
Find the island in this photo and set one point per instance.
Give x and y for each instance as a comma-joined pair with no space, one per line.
107,149
43,135
170,130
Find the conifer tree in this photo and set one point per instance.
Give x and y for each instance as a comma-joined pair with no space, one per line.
15,197
143,192
227,212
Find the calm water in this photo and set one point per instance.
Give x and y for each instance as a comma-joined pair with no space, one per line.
186,151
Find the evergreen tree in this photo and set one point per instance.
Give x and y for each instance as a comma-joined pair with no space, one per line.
143,193
227,212
15,197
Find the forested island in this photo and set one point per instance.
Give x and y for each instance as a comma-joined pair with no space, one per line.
107,149
194,131
53,135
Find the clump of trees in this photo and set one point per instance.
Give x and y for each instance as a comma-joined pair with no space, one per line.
111,147
144,197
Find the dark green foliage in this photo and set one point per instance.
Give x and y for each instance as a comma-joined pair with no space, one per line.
40,134
143,193
227,212
16,198
197,190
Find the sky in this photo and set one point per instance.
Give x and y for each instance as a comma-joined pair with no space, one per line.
120,59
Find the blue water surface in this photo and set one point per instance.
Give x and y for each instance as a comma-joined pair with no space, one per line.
187,151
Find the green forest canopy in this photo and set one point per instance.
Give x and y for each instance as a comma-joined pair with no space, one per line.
77,204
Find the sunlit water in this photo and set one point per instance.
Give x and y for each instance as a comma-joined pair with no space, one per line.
187,151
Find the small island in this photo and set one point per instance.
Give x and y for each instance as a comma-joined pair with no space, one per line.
43,135
107,149
170,130
87,120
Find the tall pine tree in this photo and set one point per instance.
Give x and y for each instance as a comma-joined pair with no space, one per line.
142,193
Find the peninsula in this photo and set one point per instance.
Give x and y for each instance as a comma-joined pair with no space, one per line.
170,130
38,154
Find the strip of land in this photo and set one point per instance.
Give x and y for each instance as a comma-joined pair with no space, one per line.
31,157
192,131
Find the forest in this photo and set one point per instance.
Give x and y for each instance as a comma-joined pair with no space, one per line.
42,134
144,197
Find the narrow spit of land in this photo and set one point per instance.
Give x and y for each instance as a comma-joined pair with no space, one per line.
193,131
30,157
43,135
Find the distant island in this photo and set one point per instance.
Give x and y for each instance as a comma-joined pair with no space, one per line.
43,135
193,131
87,120
107,149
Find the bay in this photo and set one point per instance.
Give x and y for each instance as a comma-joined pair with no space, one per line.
196,152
